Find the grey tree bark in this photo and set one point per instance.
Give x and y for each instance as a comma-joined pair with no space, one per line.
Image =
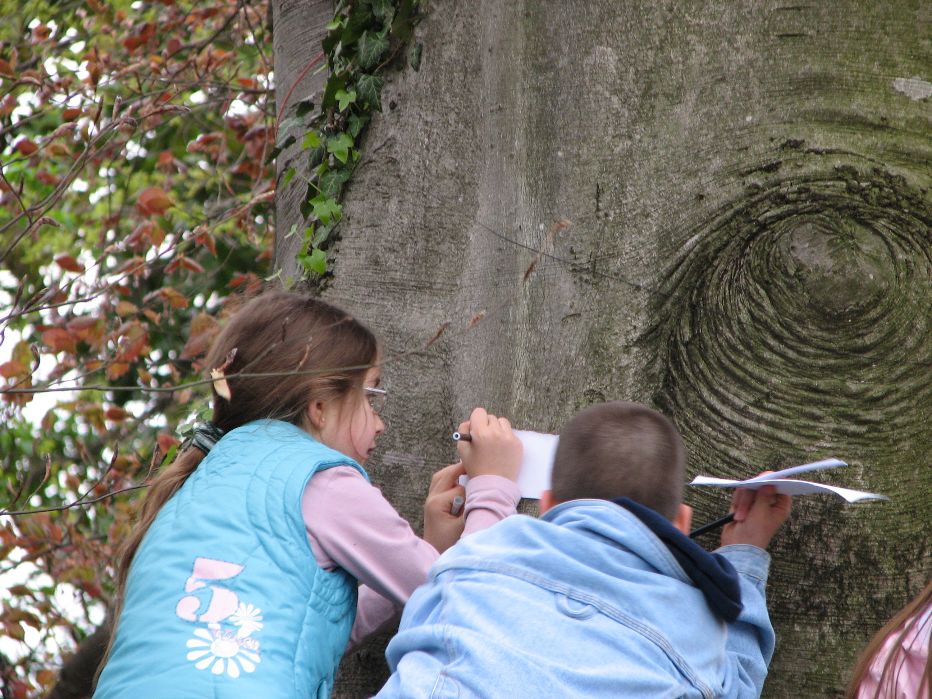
747,186
299,27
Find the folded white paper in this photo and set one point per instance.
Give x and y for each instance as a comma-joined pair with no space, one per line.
536,463
789,486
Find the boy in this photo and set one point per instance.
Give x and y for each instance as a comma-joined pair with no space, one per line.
604,595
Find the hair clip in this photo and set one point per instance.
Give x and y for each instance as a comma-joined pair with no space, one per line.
219,378
206,435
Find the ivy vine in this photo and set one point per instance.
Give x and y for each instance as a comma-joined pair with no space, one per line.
364,38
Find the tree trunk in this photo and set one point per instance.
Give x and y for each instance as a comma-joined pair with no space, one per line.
299,26
748,249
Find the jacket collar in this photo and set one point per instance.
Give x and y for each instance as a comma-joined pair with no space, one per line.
712,573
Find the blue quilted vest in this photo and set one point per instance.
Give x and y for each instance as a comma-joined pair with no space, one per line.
224,597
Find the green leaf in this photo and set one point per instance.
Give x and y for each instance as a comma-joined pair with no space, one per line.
356,123
335,23
331,182
289,175
345,99
340,146
326,209
315,262
369,88
322,234
311,140
384,10
370,49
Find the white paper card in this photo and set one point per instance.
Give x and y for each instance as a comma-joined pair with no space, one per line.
536,463
789,486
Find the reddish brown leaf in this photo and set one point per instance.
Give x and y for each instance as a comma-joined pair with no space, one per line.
202,236
59,340
87,329
204,329
166,442
153,201
46,677
116,369
26,146
70,114
126,308
166,161
132,341
173,297
12,369
5,68
115,414
67,262
47,178
191,265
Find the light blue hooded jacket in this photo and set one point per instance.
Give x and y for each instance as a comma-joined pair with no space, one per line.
583,602
224,598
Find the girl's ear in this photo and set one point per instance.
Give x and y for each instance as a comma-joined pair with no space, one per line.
315,416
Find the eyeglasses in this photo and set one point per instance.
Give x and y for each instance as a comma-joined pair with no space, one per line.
376,398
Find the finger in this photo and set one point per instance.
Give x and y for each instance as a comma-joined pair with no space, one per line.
446,478
505,423
741,503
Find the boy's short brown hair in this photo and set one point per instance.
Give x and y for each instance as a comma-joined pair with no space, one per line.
621,449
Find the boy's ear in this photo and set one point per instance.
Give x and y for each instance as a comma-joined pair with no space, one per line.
684,518
546,501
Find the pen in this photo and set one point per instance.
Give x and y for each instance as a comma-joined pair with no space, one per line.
720,522
457,505
462,437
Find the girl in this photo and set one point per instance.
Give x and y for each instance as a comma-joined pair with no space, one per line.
897,663
241,577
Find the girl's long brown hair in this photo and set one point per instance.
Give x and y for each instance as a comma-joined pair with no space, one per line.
319,353
901,625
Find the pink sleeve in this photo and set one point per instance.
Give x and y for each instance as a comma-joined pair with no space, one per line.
489,499
351,525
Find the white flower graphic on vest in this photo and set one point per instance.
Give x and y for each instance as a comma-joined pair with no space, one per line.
224,650
248,617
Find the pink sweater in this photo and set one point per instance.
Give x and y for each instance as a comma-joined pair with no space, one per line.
351,525
909,668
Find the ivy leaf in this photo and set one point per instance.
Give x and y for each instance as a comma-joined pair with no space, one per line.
384,10
345,99
370,49
340,146
332,181
315,262
326,209
311,140
286,129
356,123
369,88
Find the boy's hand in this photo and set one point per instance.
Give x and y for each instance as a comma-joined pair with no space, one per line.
758,516
494,450
442,529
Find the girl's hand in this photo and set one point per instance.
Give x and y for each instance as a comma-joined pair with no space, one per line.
759,514
442,529
494,450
